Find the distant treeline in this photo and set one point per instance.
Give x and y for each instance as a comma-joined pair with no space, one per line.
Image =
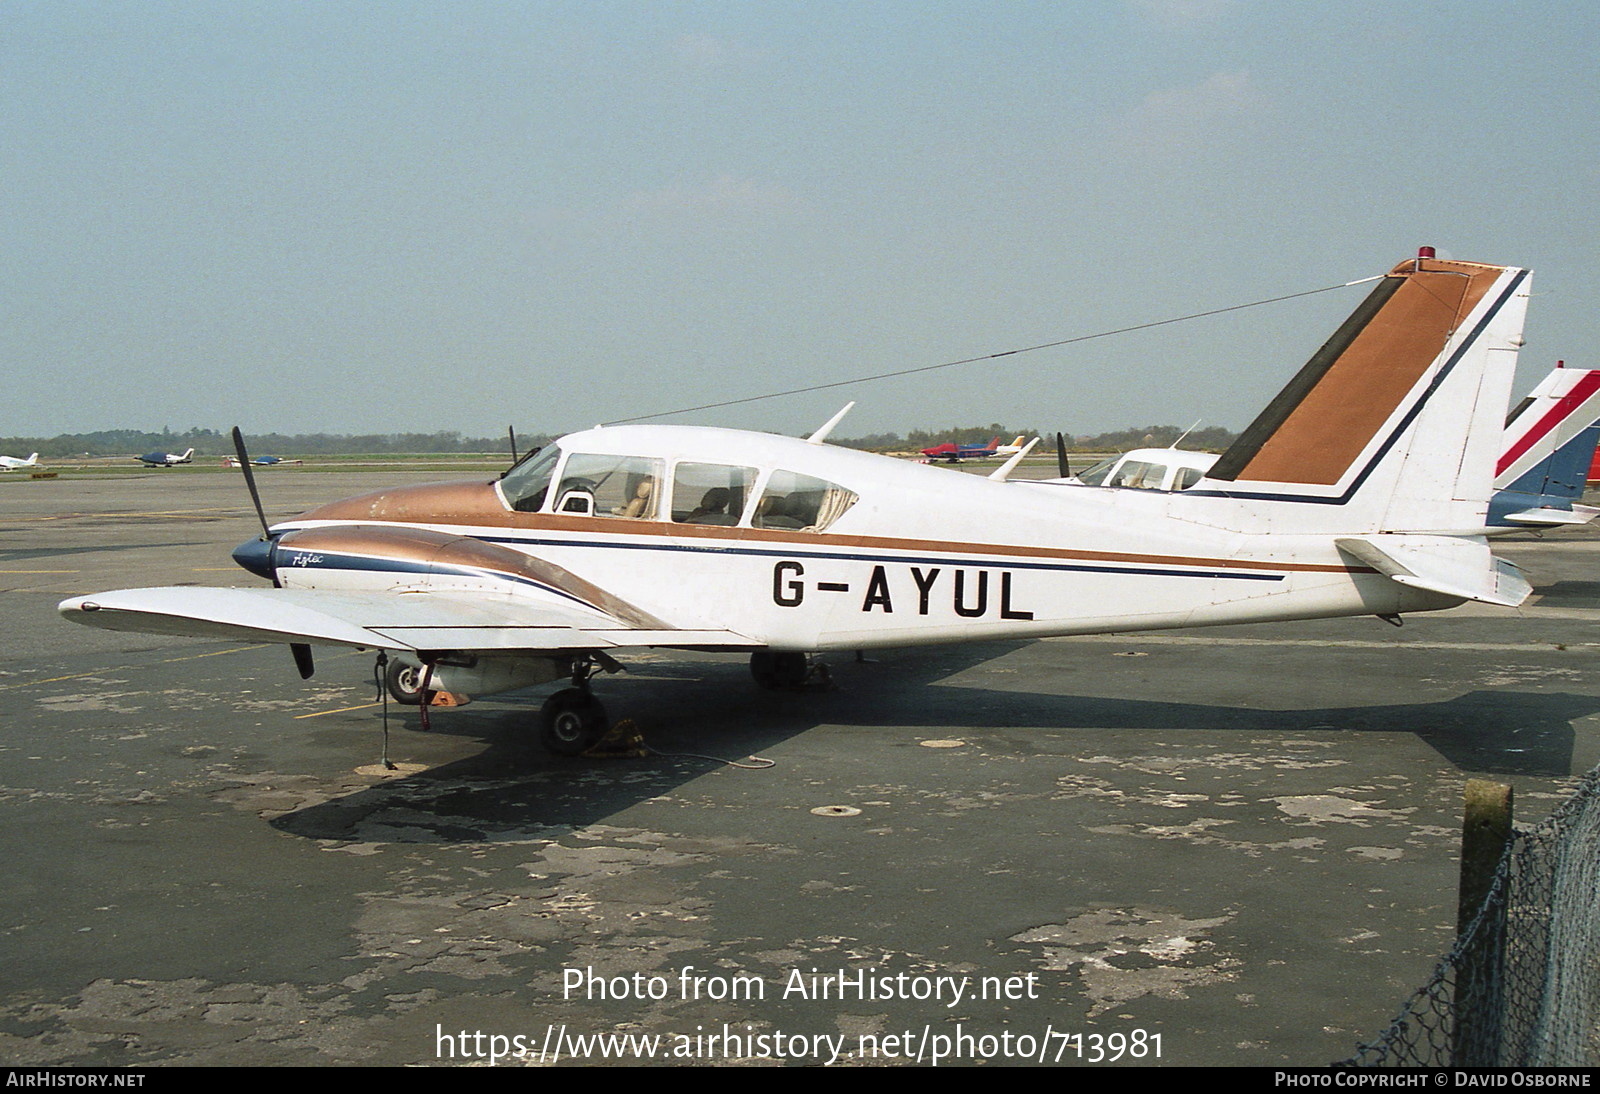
211,442
1151,436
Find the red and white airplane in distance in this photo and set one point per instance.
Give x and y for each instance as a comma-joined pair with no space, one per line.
955,452
1362,489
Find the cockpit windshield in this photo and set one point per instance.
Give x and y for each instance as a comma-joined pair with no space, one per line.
525,485
1096,475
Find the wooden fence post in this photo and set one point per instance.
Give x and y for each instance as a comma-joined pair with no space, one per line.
1479,995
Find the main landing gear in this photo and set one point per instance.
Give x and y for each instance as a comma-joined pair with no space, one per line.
572,721
779,671
404,682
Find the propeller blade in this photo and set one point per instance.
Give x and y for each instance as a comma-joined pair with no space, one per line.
302,659
250,480
1061,457
511,432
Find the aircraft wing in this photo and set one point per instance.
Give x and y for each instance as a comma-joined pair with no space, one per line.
431,620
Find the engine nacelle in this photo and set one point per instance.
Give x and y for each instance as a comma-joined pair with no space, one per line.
475,676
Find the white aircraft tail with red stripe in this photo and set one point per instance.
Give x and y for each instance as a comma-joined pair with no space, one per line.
1549,444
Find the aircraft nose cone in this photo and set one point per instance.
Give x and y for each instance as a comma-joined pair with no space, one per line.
255,555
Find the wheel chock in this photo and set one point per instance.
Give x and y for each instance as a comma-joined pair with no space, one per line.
622,740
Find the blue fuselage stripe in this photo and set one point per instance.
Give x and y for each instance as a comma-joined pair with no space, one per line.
849,556
337,561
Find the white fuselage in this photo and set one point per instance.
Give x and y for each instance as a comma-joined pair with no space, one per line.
924,555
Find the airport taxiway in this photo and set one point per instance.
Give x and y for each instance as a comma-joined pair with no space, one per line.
1240,840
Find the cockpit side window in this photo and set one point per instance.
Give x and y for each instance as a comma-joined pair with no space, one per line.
710,493
792,500
524,487
1139,475
1187,477
609,486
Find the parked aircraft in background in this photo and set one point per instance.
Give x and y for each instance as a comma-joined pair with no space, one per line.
165,459
952,452
1550,443
1547,443
262,461
1150,469
12,463
1361,490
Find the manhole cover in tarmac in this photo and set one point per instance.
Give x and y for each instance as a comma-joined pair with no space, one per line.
836,811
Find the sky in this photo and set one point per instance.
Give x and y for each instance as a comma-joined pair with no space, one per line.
397,217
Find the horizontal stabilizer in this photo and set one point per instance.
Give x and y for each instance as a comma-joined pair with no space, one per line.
1553,518
1447,565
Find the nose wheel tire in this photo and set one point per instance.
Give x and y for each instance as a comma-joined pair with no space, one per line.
571,722
404,683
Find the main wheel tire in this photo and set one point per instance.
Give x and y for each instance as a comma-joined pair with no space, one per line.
571,722
404,682
779,671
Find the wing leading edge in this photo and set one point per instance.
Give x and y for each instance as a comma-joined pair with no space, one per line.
432,620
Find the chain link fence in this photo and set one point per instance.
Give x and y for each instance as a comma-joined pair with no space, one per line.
1521,987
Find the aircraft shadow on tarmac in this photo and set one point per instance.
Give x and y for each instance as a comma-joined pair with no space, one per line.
513,791
1570,594
28,554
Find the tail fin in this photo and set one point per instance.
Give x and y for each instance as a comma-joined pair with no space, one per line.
1548,445
1395,423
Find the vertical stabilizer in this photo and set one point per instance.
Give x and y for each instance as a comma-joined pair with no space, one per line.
1395,423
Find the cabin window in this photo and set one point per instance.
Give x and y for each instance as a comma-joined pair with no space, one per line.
609,486
710,493
525,485
801,502
1187,477
1139,475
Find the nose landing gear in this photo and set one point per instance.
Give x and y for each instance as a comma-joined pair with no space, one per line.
572,721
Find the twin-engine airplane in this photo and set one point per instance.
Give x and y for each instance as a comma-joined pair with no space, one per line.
1362,489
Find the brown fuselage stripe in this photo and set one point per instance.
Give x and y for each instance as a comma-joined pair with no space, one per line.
477,514
425,547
